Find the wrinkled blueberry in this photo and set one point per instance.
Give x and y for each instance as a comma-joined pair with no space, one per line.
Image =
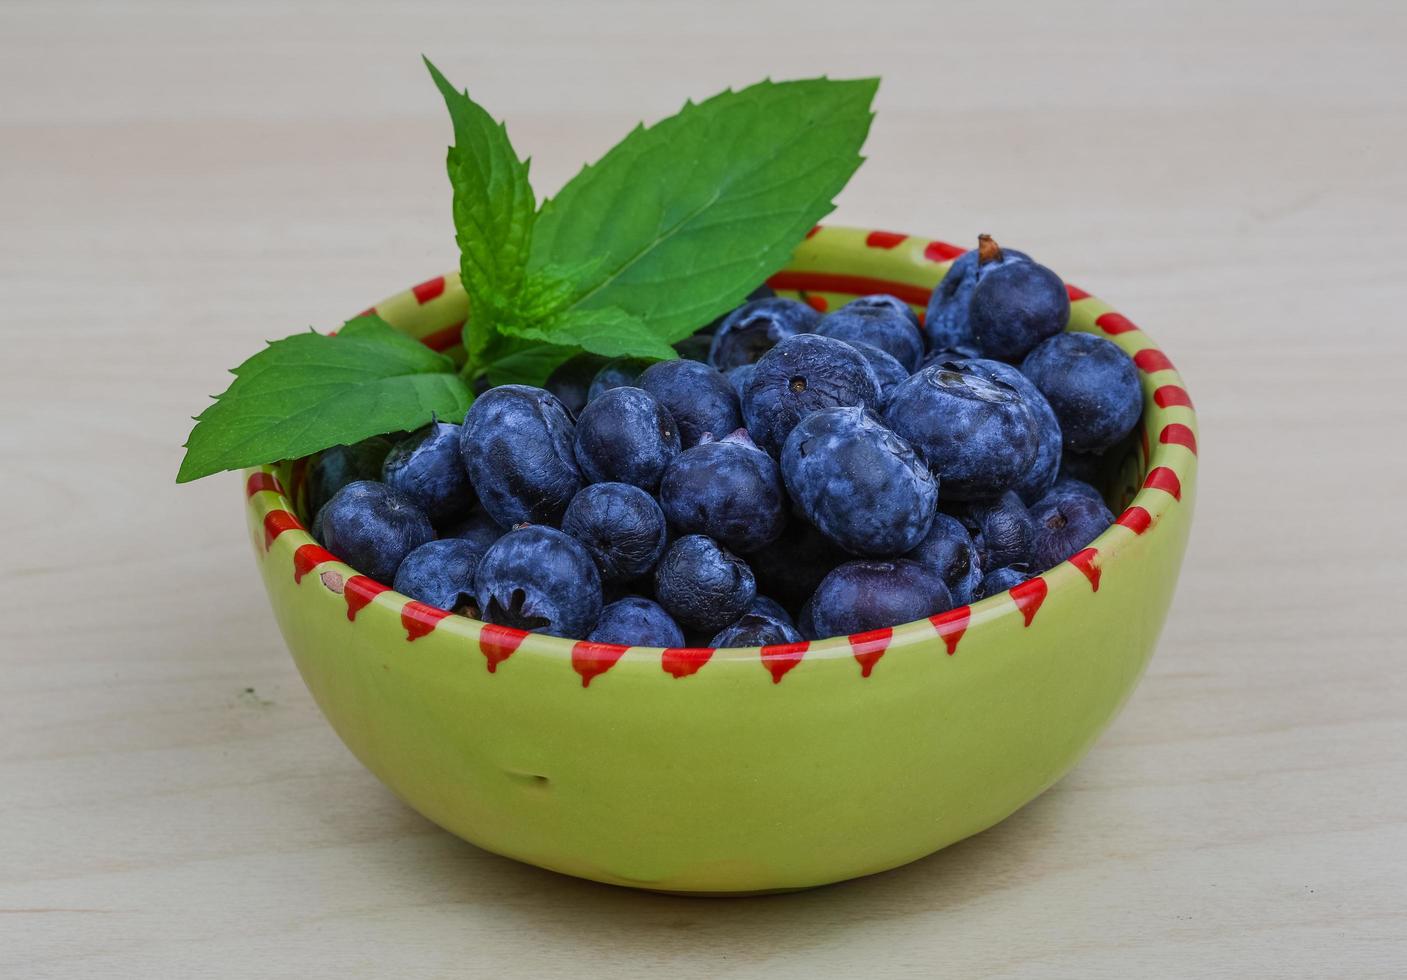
476,527
538,579
517,448
571,381
880,321
1000,579
801,375
620,525
621,372
698,397
1032,484
869,595
626,436
1065,522
441,574
756,630
335,467
889,372
791,567
979,436
1005,532
1091,384
949,551
863,486
756,327
702,585
763,291
1016,307
947,325
372,528
637,622
426,466
728,490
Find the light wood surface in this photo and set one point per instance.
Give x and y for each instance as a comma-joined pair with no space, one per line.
179,182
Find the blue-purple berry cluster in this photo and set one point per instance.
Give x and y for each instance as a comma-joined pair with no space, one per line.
792,476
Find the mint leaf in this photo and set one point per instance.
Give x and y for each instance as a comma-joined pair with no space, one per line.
681,219
525,362
607,331
494,209
311,391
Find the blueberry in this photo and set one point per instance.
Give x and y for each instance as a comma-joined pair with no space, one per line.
703,586
728,490
637,622
863,486
441,574
948,549
764,606
694,347
618,373
869,595
947,324
738,377
620,525
806,621
476,527
1016,307
426,466
756,327
1092,385
889,372
626,436
880,321
961,352
792,566
517,448
698,397
372,528
1001,579
978,436
1033,484
801,375
571,381
538,579
1069,484
1006,531
763,291
335,467
754,629
1065,521
1086,467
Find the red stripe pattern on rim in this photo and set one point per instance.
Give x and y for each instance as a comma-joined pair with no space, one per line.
429,289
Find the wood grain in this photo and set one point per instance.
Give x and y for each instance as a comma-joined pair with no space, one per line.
181,181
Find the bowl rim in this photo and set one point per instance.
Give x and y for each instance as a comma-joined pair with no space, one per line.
1165,475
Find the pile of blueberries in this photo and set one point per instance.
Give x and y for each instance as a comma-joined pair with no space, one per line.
792,476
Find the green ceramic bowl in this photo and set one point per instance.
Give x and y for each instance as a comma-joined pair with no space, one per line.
744,770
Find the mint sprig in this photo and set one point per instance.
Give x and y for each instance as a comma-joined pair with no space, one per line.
310,391
668,230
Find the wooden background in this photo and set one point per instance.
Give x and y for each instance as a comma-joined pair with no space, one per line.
180,181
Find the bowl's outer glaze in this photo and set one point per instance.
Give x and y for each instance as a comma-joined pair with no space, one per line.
743,770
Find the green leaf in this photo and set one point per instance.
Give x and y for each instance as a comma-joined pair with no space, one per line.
608,331
494,210
524,362
311,391
681,219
